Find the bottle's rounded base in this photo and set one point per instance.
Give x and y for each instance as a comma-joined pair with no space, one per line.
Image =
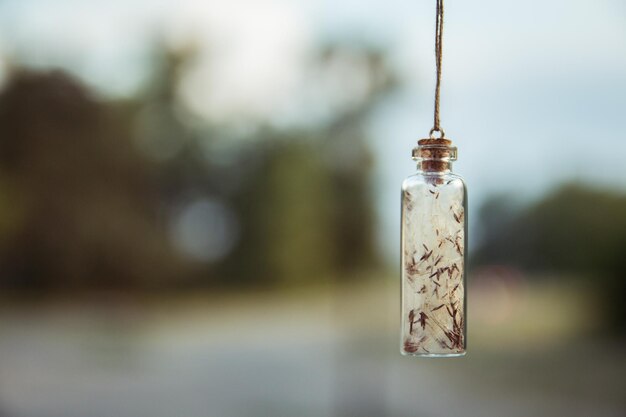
434,355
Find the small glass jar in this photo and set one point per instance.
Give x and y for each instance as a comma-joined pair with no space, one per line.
434,235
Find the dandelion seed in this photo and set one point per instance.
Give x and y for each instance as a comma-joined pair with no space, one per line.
422,320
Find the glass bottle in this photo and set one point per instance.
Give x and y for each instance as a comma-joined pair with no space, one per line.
434,235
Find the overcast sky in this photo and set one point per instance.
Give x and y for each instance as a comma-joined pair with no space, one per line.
527,85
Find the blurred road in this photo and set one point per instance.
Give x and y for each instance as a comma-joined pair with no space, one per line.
275,355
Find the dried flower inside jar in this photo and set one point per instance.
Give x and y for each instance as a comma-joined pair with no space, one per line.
434,232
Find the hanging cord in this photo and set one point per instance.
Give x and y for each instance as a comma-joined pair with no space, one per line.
438,56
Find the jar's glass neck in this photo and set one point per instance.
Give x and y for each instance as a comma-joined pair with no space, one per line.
434,166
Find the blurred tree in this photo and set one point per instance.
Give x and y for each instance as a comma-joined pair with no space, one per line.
284,208
307,208
575,229
117,193
81,207
350,160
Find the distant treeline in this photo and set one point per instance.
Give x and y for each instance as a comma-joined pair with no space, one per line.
138,193
575,230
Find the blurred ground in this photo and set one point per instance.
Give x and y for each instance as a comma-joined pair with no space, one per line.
319,352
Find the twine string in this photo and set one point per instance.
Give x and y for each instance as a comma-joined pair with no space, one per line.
438,56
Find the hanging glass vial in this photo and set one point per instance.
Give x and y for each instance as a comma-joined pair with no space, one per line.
434,235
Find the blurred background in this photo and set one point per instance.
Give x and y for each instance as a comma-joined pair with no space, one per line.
199,206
